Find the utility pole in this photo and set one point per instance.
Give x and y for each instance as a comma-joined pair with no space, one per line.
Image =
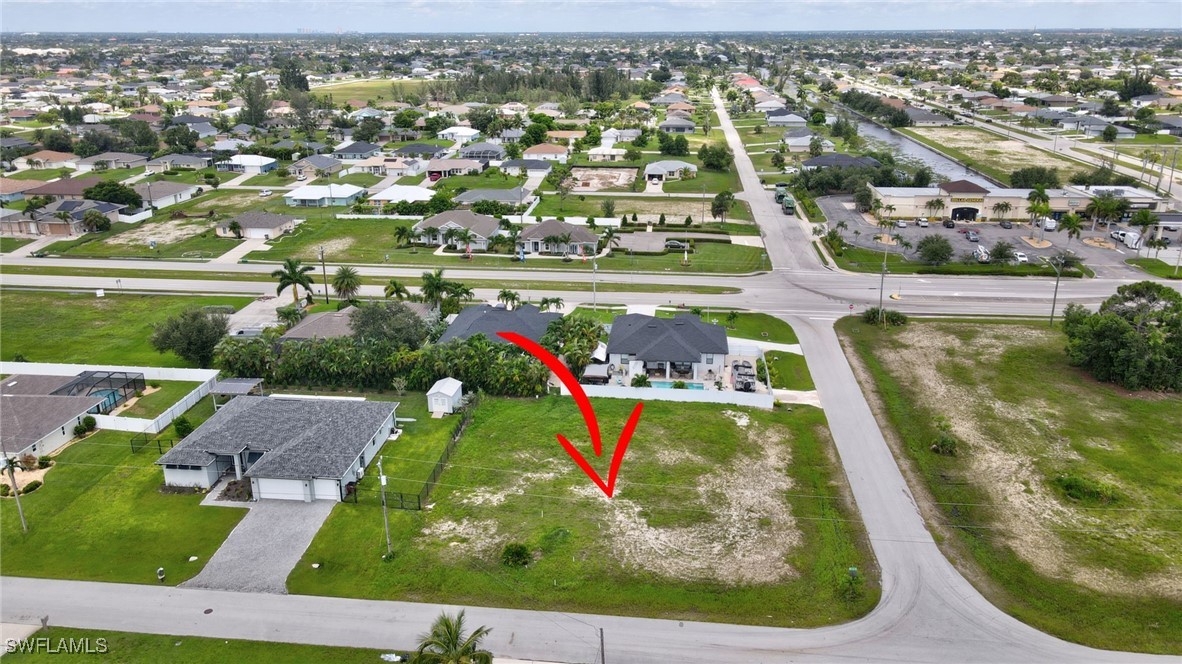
324,270
602,653
594,291
385,515
1057,263
16,494
881,285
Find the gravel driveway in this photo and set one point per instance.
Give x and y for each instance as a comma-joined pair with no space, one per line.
262,550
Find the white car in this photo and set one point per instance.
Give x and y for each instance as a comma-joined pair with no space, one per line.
922,223
791,170
264,193
301,177
1020,257
902,223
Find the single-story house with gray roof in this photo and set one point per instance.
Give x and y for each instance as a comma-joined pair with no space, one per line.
290,449
546,238
526,320
668,169
35,421
432,229
514,196
257,225
310,165
680,347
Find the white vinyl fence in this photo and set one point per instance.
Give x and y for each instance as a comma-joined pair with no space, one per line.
757,400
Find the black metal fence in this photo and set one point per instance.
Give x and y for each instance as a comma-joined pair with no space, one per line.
413,501
141,440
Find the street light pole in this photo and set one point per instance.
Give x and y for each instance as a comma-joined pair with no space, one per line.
594,291
385,515
324,270
16,494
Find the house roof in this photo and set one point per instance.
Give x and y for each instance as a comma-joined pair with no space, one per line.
554,227
323,325
528,164
677,122
480,224
526,320
515,195
29,412
668,166
259,220
545,148
479,149
420,148
684,338
566,133
251,160
962,187
320,161
450,164
156,190
449,386
358,147
10,186
51,155
315,192
299,438
76,209
402,192
112,156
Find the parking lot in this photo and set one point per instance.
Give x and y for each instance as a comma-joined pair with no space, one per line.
655,241
1106,262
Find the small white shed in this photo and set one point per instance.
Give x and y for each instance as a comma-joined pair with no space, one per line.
444,396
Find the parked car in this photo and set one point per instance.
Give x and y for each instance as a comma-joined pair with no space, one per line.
922,223
1020,257
264,193
1006,223
675,244
973,236
301,177
791,170
1118,235
770,150
655,181
1047,223
435,177
948,223
901,223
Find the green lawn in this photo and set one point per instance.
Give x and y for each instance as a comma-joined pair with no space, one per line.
487,180
857,259
792,373
272,179
116,174
354,240
152,405
1139,139
1093,572
100,516
132,647
411,180
195,177
604,314
113,329
712,181
1156,267
510,482
378,90
409,460
359,179
42,174
10,244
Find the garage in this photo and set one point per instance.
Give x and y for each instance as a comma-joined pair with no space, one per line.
277,489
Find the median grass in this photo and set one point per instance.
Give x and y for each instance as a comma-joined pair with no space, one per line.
660,548
1062,501
858,259
79,327
100,516
1156,267
42,174
133,647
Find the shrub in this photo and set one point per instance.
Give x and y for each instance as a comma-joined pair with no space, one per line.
31,487
155,385
183,426
44,462
876,316
79,430
1084,489
282,172
641,380
5,491
515,554
89,423
945,444
661,220
680,385
688,220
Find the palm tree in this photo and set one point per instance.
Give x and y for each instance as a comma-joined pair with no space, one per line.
934,206
1039,211
564,240
841,227
463,236
509,298
1144,220
294,274
403,235
447,644
888,210
610,238
1105,207
1002,208
552,241
548,303
435,288
346,282
65,217
235,228
395,288
34,205
1073,224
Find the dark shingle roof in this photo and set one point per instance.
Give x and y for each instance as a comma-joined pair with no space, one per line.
841,160
684,338
514,196
360,147
299,438
260,220
526,320
415,149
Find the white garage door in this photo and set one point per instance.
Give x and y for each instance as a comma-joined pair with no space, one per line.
327,490
281,489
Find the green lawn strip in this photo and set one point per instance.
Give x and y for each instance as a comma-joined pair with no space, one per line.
604,314
1156,267
115,174
133,647
747,325
109,330
408,461
1091,430
101,516
10,244
411,180
381,89
576,570
487,180
272,179
118,273
792,373
712,182
152,405
43,174
196,177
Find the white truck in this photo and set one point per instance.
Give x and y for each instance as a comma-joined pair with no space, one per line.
1132,239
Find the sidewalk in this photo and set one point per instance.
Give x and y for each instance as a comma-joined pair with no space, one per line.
32,247
242,249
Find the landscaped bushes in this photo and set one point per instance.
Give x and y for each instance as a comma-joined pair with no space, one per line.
876,316
495,368
31,487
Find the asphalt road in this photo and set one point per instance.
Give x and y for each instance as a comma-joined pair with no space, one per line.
928,611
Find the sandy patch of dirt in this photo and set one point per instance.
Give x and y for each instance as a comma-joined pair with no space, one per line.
747,541
1099,242
741,419
1036,243
472,535
1030,514
998,152
496,497
332,248
674,209
598,179
237,200
164,232
23,477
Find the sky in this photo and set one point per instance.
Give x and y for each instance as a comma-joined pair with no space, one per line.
284,16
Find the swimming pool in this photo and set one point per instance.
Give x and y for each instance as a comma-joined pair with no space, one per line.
668,384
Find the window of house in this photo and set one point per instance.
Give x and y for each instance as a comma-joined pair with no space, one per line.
709,359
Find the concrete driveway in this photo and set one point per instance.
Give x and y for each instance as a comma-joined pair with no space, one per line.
262,550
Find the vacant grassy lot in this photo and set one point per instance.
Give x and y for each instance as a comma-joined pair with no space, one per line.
9,244
116,174
195,177
1157,267
648,209
358,179
355,240
792,373
156,402
100,516
1063,494
712,182
113,329
728,517
992,154
378,90
132,647
272,179
487,180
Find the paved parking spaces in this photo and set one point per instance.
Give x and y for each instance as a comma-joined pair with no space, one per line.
655,241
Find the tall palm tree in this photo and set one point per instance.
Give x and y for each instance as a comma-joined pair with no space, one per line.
403,235
1039,211
611,238
293,274
548,303
1073,224
34,205
1144,220
346,282
888,211
465,237
435,287
934,206
64,217
396,289
1002,208
509,298
447,643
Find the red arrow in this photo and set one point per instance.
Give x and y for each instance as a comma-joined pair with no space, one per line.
580,397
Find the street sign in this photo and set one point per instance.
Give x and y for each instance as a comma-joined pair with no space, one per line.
383,480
